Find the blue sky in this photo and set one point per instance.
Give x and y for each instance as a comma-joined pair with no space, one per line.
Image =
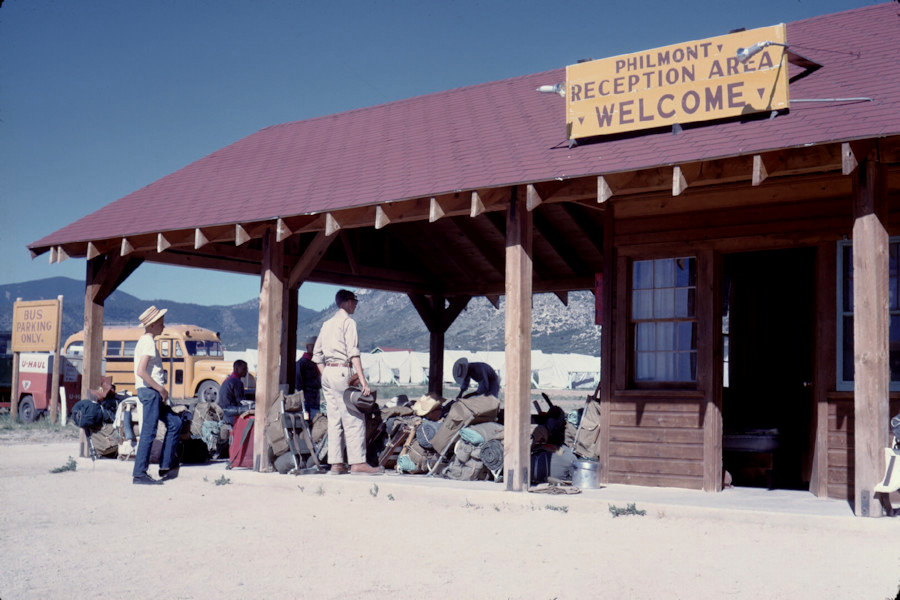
100,98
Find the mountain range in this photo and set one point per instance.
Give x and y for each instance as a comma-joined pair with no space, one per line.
384,319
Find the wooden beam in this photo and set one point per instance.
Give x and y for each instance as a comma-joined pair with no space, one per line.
435,210
608,331
311,257
269,341
282,231
494,299
289,309
679,181
848,159
350,254
759,170
604,191
93,335
871,337
92,251
493,256
226,263
200,239
533,198
53,254
563,297
331,224
61,254
381,217
127,248
516,456
114,272
477,205
241,236
161,243
560,245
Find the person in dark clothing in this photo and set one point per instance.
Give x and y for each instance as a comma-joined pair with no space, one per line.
231,393
483,373
309,380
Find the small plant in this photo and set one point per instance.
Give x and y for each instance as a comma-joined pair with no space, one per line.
629,510
320,491
69,466
374,491
563,509
222,480
390,497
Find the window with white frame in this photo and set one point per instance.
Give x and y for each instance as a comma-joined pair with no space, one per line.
664,319
845,364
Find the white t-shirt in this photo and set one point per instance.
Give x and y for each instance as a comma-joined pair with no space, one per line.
147,347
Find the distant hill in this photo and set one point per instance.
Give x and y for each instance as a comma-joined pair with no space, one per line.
384,318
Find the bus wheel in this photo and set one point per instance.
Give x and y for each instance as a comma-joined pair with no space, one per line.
208,391
27,414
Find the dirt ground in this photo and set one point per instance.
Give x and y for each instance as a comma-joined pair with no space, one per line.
91,533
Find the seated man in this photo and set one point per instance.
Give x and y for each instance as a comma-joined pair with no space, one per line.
231,393
483,373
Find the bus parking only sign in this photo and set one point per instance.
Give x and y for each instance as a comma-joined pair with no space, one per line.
36,325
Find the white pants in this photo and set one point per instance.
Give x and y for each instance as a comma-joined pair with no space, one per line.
345,424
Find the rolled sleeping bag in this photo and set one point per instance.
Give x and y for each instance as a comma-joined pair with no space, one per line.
471,436
492,454
426,432
463,450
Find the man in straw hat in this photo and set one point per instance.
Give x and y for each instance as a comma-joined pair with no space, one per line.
308,379
150,381
336,350
483,373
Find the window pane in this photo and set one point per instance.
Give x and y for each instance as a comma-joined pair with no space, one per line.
644,336
642,304
665,335
684,302
847,271
114,348
848,349
664,273
664,303
644,366
685,272
129,348
687,366
665,366
643,274
687,336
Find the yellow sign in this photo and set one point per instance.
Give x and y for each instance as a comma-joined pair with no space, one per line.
684,83
35,326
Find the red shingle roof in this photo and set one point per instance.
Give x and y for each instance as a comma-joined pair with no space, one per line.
495,134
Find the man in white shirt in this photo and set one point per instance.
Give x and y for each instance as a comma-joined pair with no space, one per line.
335,352
150,381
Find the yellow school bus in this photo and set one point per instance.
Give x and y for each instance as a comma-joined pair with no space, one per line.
193,358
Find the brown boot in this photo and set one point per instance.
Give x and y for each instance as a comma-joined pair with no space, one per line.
338,469
364,469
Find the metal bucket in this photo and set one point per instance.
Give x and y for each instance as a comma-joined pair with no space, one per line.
586,474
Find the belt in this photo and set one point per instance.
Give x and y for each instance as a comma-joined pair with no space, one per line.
337,364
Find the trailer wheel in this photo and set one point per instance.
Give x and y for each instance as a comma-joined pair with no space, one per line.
27,414
208,391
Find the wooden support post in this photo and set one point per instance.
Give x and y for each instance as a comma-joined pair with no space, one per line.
825,357
519,274
289,339
871,325
709,365
607,331
437,316
93,336
14,385
54,380
271,299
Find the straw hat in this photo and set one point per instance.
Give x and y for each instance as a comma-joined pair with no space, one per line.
425,405
460,369
151,314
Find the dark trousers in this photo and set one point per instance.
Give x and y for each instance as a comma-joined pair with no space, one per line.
155,411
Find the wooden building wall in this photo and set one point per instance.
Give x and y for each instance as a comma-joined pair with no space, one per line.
673,437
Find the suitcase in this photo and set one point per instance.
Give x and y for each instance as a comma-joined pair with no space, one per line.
240,452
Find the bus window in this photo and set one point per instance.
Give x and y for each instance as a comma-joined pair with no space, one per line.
178,350
129,348
203,348
113,348
179,376
164,348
